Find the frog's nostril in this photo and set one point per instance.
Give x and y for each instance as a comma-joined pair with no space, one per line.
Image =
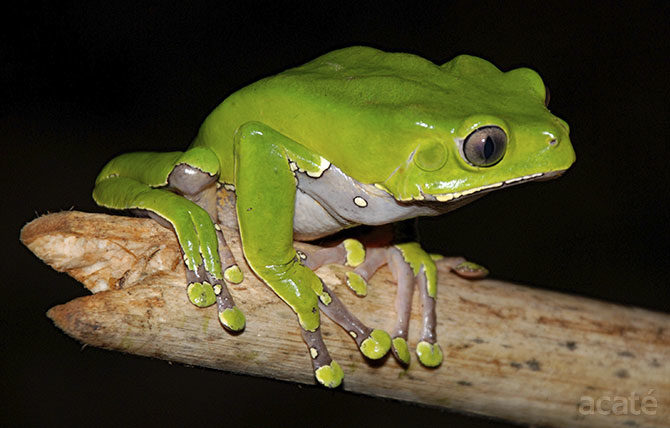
553,142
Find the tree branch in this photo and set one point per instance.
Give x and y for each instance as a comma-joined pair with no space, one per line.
512,352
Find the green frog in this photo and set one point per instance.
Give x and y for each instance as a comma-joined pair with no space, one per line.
355,137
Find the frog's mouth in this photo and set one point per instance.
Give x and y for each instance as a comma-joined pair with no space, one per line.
454,196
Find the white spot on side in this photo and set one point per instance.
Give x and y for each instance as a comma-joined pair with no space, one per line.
217,289
230,187
360,202
301,255
353,334
313,352
293,166
217,227
445,198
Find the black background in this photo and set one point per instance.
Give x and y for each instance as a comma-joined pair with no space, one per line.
84,81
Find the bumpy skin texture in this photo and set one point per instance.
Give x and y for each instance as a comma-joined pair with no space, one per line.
357,136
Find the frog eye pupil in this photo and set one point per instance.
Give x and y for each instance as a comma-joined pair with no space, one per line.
489,146
485,146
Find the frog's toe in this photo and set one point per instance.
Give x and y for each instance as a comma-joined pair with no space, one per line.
330,375
355,252
232,319
470,270
400,350
357,283
376,345
233,274
201,294
430,354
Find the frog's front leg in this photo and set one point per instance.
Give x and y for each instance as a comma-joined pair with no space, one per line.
148,182
265,187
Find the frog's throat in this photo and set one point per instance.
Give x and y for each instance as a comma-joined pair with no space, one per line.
453,196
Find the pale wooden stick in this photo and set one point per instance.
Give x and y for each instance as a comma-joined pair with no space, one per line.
512,352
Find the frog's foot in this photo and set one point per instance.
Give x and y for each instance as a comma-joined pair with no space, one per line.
461,267
428,350
327,372
352,253
373,343
229,315
409,263
199,187
204,289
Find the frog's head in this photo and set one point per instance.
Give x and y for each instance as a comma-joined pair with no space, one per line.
485,129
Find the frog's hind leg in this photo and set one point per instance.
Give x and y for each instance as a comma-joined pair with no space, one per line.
373,343
143,181
409,265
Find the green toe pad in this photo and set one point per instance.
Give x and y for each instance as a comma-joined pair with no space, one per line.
232,319
233,274
330,376
430,355
357,284
377,345
401,350
201,294
355,252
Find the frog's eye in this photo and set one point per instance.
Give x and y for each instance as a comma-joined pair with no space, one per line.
485,146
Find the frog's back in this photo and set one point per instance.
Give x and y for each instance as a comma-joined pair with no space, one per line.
348,102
